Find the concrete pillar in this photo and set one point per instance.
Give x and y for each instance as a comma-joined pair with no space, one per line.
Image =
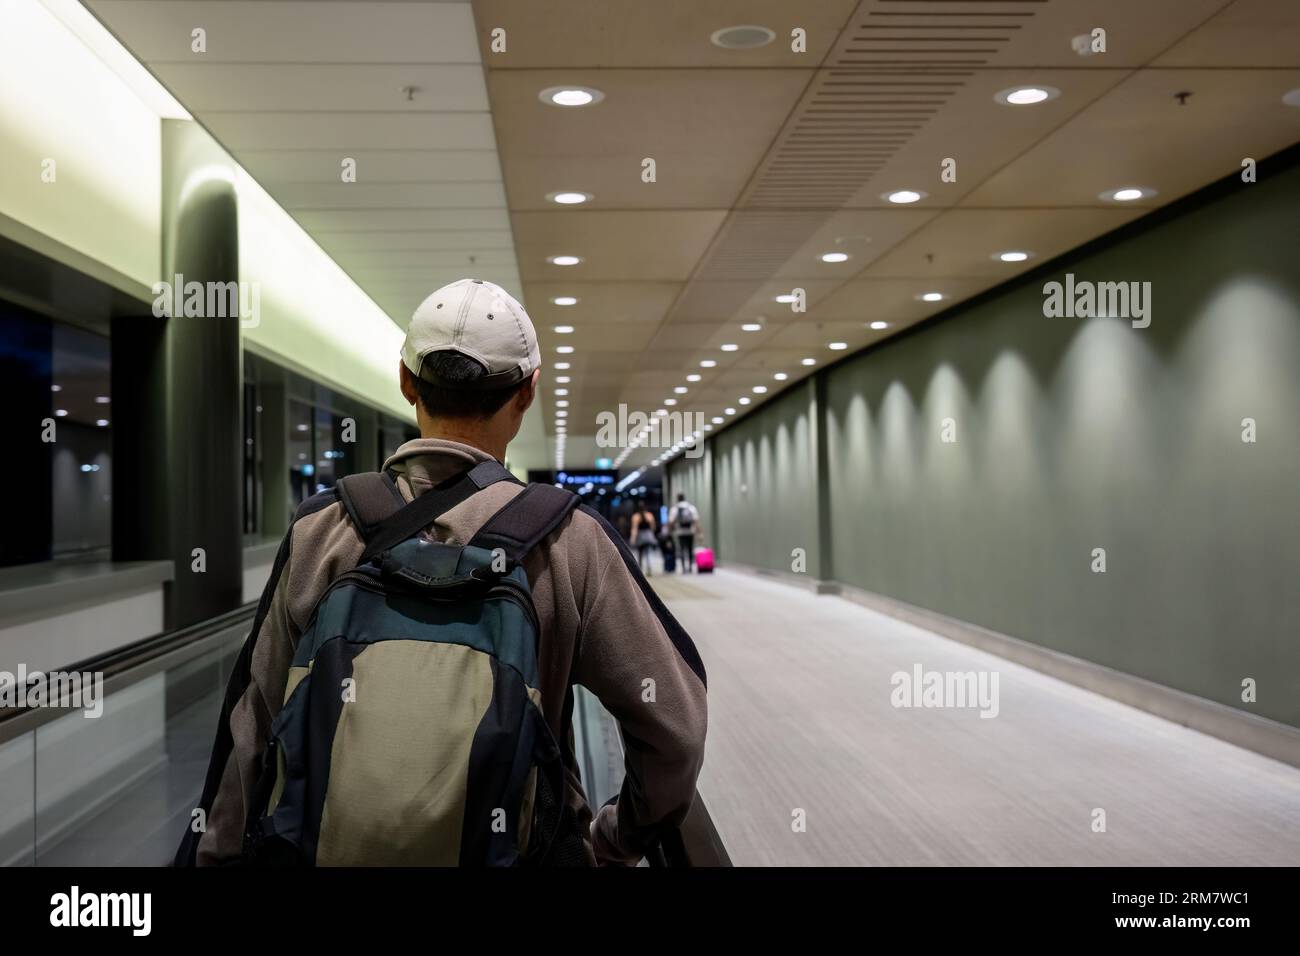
177,482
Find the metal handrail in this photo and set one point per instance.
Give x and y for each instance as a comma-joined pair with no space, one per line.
132,663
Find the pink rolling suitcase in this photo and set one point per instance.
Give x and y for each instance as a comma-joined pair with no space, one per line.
704,560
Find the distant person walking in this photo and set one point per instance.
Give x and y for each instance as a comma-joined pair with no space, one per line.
684,525
643,535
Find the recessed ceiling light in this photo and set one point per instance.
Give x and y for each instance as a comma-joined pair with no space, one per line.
708,363
780,376
730,411
562,403
102,399
670,401
717,419
1011,255
564,329
837,346
878,325
570,96
902,197
561,365
730,347
809,361
1127,194
60,412
708,428
835,257
565,300
102,422
561,414
56,388
743,400
561,391
564,260
786,298
759,389
1026,95
931,296
564,349
680,389
562,379
693,377
751,327
1292,98
570,198
744,37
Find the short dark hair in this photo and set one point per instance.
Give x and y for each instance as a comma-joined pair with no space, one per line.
450,398
681,496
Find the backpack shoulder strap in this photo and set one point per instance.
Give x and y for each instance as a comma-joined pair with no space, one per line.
407,519
369,498
525,520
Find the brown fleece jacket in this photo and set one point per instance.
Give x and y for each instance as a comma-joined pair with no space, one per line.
601,627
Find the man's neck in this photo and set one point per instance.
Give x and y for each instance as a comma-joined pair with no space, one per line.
479,438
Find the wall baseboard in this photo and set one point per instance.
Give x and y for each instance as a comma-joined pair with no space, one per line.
1259,734
804,581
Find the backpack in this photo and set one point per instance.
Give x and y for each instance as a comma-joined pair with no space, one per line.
411,732
684,520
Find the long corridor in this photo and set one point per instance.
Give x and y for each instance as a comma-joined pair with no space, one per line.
801,719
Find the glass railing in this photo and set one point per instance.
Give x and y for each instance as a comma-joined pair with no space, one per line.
117,789
113,781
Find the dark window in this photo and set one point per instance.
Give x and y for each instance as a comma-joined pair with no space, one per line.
56,381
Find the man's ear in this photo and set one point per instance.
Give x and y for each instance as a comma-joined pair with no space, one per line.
407,382
526,395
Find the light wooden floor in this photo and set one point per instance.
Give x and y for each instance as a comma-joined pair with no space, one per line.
800,717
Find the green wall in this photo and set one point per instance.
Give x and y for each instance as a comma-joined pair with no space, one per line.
1074,434
766,485
693,478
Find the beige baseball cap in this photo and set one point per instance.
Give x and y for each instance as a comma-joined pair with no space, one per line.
477,319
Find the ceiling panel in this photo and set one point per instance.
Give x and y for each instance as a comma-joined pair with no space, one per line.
411,87
369,195
467,241
338,130
628,34
288,31
962,243
402,220
705,130
895,300
1128,136
613,305
1033,34
272,166
613,245
1247,34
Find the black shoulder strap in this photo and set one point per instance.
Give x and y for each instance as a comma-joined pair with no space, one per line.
525,520
369,498
426,508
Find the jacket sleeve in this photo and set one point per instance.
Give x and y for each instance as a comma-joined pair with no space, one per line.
636,658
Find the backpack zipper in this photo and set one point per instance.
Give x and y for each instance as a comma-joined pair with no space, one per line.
504,587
